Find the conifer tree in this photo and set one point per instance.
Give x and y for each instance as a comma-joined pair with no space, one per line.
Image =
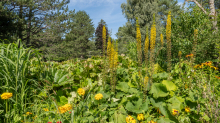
77,39
98,34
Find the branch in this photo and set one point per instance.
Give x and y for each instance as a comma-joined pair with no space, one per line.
197,3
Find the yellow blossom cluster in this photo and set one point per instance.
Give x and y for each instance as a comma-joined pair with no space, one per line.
140,117
65,108
130,119
98,96
6,95
209,63
81,91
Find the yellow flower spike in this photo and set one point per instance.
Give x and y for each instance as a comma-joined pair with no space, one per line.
187,109
81,91
6,95
140,117
175,112
98,96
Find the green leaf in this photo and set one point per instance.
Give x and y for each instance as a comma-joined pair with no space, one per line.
158,90
163,120
123,86
170,85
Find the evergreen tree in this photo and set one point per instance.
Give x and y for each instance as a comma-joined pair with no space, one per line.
32,17
98,34
81,29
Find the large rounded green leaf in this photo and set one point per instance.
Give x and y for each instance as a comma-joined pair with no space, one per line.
170,85
158,90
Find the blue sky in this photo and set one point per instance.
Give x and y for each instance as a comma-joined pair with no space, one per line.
108,10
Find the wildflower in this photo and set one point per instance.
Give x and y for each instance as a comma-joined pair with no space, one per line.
187,109
59,122
28,113
81,91
98,96
49,122
130,119
196,66
190,55
175,112
152,121
140,117
45,109
6,95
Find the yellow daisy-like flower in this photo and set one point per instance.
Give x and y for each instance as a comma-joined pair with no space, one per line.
45,109
6,95
152,121
186,86
81,91
187,109
28,113
175,112
130,119
68,107
140,117
98,96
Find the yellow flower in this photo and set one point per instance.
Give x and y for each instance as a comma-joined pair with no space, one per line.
140,117
152,121
68,107
6,95
190,55
65,108
187,109
81,91
28,113
175,112
98,96
45,109
130,119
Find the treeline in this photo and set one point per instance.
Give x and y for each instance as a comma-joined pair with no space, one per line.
61,34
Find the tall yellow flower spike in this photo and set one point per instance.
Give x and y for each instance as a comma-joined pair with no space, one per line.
168,36
104,39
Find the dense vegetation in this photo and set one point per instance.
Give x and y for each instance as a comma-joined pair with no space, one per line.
167,72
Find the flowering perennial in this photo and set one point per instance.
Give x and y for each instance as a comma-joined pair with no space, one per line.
175,112
187,109
81,91
6,95
98,96
130,119
140,117
65,108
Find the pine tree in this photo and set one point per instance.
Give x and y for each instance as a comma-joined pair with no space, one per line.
98,34
77,40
